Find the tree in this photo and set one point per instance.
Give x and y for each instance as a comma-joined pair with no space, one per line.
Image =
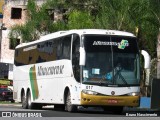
79,20
134,16
141,17
38,22
155,9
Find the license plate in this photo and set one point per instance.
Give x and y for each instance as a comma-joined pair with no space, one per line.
112,101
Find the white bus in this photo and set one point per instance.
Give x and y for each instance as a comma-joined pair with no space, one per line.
78,68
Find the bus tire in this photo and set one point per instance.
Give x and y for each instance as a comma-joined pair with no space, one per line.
68,105
24,101
30,104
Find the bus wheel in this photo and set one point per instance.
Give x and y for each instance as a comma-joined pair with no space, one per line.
68,105
30,105
24,102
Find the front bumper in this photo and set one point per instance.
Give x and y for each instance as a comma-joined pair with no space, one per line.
99,100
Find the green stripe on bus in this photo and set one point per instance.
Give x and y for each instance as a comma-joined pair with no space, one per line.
33,82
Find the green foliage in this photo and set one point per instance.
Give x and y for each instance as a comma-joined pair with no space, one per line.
59,25
129,15
155,9
79,20
141,17
38,22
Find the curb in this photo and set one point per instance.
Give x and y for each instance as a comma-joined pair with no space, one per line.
11,105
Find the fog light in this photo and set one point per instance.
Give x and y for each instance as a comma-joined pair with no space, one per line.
84,99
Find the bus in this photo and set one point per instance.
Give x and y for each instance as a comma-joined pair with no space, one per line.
86,67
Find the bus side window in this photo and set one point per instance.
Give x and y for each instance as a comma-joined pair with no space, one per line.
75,57
59,49
66,47
21,57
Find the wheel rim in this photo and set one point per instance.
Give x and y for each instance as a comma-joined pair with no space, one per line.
23,101
29,99
68,102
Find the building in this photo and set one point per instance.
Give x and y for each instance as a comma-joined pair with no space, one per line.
14,12
3,67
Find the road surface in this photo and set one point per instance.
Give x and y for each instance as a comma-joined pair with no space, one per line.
16,112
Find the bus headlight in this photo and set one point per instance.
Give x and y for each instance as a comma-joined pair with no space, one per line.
89,92
134,94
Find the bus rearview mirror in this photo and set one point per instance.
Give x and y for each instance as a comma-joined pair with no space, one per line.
147,66
82,56
147,59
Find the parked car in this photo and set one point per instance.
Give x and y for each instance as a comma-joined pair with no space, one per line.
6,94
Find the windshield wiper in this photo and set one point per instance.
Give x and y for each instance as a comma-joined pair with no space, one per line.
118,74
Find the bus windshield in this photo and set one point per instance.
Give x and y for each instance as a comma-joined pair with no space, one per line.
111,61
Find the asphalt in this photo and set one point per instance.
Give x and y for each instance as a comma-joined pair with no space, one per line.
126,109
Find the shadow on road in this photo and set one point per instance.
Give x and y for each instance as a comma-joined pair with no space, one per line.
91,111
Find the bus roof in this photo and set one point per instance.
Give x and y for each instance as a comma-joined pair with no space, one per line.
78,31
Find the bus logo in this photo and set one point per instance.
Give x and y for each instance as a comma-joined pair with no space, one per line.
123,44
112,93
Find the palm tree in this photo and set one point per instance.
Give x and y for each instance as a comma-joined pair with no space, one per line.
155,9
